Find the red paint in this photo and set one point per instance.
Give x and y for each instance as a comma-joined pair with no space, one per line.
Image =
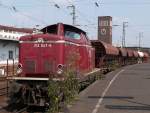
42,58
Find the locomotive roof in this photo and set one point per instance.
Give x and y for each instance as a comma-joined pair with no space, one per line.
66,26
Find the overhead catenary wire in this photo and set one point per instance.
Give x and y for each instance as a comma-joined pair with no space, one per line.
82,14
13,8
100,2
84,17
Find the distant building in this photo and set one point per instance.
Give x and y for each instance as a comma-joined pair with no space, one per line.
9,40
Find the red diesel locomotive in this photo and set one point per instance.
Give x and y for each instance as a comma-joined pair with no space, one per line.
42,54
47,54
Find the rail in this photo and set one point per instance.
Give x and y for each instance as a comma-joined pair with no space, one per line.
22,110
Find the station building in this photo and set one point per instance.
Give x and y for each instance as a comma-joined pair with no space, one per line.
9,41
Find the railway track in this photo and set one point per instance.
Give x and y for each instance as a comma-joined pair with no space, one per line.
22,110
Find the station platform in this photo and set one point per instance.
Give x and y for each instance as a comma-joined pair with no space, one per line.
126,90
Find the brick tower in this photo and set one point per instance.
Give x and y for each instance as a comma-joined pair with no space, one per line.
105,29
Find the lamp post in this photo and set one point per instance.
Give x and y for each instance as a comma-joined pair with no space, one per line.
124,34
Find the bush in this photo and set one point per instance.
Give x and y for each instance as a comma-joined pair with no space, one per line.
64,91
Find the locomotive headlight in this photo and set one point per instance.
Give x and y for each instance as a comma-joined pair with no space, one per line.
19,65
19,69
60,69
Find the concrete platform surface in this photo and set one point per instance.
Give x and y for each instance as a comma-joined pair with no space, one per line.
126,90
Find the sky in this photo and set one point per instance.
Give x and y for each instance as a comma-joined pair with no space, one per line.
30,13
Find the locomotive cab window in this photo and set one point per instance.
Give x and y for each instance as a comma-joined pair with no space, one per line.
71,34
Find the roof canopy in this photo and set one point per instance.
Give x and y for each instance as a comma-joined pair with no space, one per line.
23,30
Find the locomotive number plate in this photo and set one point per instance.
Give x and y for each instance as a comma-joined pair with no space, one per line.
42,45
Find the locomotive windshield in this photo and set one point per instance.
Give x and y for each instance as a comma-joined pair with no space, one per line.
65,30
72,34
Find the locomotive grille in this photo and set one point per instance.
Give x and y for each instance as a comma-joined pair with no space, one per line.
30,66
48,66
